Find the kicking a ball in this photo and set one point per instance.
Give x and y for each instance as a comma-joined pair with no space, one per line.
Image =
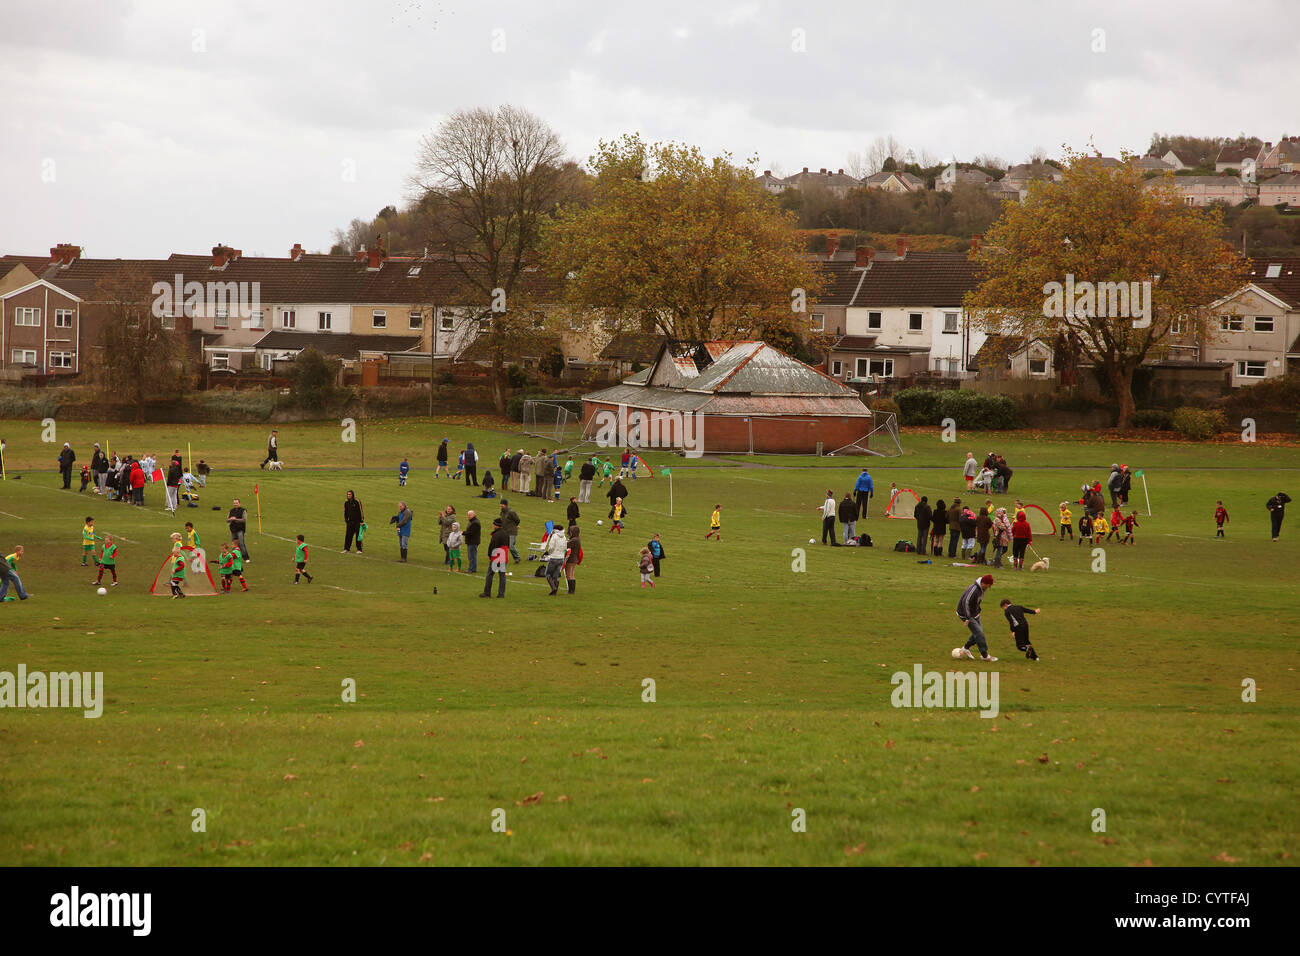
968,609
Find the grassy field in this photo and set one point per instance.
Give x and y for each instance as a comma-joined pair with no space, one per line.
773,686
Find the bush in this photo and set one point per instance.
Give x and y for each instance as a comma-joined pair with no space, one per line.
1198,424
977,411
1154,419
28,403
225,405
312,378
885,406
918,406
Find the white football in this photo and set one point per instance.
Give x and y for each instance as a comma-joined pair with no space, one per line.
957,652
102,591
812,540
598,521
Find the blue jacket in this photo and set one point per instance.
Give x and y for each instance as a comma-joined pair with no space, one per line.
404,522
865,484
404,467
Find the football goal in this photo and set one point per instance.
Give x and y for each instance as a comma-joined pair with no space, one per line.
198,579
547,420
883,440
1040,522
902,504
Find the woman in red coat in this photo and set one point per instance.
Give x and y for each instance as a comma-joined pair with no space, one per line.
1020,538
137,483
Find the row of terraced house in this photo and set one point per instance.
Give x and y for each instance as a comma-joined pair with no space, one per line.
890,315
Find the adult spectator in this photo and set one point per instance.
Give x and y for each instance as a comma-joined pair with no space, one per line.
586,475
1125,486
969,470
471,465
574,557
1003,472
954,527
1001,535
1095,504
983,532
619,490
1021,536
354,516
174,472
510,521
1277,511
272,448
66,458
504,464
539,469
524,469
848,512
498,558
446,519
574,512
403,519
1114,483
99,468
547,487
864,488
237,519
827,509
555,553
967,524
137,484
968,610
473,535
922,514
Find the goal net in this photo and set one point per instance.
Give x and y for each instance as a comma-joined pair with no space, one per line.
198,579
883,440
546,420
902,504
1040,522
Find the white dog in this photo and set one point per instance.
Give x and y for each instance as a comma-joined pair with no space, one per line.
274,466
1041,564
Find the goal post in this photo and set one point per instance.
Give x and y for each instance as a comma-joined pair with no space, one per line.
883,440
546,420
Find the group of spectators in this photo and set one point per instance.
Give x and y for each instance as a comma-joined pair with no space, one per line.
850,509
531,475
969,533
993,478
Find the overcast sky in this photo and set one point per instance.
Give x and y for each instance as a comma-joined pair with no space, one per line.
138,129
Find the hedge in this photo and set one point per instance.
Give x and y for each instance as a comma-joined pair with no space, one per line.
1198,424
969,409
1155,419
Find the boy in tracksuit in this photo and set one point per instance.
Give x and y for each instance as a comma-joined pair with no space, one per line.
1220,519
968,609
88,542
1020,626
107,560
300,561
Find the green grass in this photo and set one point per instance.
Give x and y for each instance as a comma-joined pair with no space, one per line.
773,687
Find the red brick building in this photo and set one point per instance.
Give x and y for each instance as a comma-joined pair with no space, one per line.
725,397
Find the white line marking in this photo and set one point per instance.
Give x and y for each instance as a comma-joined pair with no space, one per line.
19,517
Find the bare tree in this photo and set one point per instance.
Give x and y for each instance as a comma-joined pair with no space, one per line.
489,178
881,149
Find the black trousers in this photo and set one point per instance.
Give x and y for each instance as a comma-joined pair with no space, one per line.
501,583
1276,517
861,501
828,530
922,536
353,530
471,475
655,562
67,476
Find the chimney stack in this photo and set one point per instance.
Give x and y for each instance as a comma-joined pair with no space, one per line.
901,247
223,255
805,169
865,255
832,246
359,254
823,171
296,252
65,254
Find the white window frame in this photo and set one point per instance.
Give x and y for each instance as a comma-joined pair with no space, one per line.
886,367
1032,361
817,321
880,321
265,360
954,319
1232,323
415,320
167,321
1243,368
19,356
1178,326
1264,318
378,319
66,360
27,316
861,368
447,322
221,319
954,366
575,323
63,318
220,360
257,319
919,318
325,321
837,368
289,319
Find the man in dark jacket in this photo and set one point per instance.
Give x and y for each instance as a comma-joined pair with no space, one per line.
272,448
98,468
1277,511
504,464
586,475
499,542
514,471
923,512
954,527
1125,485
848,513
510,522
473,532
1004,474
471,465
617,490
574,514
66,458
174,472
968,609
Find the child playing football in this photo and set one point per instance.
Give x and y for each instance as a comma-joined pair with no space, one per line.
300,560
1116,522
715,524
1065,523
1100,528
237,559
191,539
177,579
616,513
1220,519
108,560
1085,527
1020,626
88,541
1130,523
226,565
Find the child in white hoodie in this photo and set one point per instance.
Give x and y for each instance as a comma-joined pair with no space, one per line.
454,540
